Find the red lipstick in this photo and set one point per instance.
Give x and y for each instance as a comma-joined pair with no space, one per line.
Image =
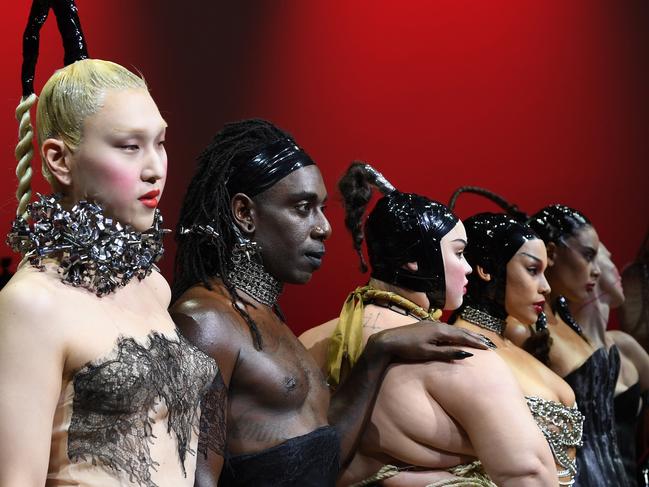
538,307
150,199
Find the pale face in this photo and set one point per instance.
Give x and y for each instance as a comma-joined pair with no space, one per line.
456,268
526,285
574,270
121,162
610,281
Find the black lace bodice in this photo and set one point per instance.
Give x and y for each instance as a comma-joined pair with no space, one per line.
598,461
111,424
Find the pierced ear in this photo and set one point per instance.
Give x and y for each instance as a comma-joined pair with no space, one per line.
243,212
411,266
484,275
552,253
57,159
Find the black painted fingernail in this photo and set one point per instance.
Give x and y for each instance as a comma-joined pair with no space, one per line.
488,342
462,354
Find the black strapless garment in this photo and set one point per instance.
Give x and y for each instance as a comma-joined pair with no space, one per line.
599,463
627,406
311,460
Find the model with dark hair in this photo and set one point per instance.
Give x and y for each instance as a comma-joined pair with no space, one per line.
252,220
431,421
591,369
632,388
508,261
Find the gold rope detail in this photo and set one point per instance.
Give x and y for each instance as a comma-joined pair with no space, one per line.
346,342
386,472
473,475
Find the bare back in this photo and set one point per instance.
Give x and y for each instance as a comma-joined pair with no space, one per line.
439,414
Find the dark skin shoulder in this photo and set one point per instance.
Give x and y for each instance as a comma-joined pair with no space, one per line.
275,393
279,392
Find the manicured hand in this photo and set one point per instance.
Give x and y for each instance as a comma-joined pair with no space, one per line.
427,340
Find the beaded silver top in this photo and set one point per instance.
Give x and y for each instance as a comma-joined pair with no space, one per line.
562,427
94,252
483,320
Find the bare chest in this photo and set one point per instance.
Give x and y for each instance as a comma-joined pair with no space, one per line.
282,376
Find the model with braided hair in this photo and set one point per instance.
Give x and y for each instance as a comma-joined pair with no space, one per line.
98,389
588,366
431,422
509,261
631,401
252,220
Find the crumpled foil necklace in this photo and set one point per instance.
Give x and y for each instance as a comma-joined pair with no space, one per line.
93,251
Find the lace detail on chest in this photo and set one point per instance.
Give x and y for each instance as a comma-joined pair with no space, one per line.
111,424
562,427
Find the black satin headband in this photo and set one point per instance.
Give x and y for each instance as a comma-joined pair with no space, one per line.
254,175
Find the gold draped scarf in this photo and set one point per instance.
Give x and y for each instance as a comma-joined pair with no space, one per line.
346,343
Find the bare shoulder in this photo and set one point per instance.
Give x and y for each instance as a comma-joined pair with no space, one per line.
316,341
31,299
483,374
630,347
30,309
160,288
208,319
517,332
625,342
318,334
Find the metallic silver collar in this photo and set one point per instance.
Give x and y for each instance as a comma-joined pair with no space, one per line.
94,252
251,277
483,320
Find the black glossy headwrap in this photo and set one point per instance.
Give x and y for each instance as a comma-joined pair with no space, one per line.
406,227
74,43
493,239
555,223
256,174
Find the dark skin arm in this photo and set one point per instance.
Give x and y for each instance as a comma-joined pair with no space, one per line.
217,331
352,403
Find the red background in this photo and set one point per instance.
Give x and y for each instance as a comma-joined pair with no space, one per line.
542,102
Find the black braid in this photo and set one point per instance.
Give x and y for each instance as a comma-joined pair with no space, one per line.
511,209
356,191
560,306
207,201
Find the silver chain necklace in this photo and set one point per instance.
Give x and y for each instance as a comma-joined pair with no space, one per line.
483,320
252,278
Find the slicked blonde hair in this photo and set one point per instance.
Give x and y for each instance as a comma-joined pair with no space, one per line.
69,96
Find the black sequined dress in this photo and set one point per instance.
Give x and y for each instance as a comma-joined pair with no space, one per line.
599,463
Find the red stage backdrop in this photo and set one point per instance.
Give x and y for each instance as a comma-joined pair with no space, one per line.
542,102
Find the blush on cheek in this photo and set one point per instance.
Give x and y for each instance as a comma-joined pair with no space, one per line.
115,184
